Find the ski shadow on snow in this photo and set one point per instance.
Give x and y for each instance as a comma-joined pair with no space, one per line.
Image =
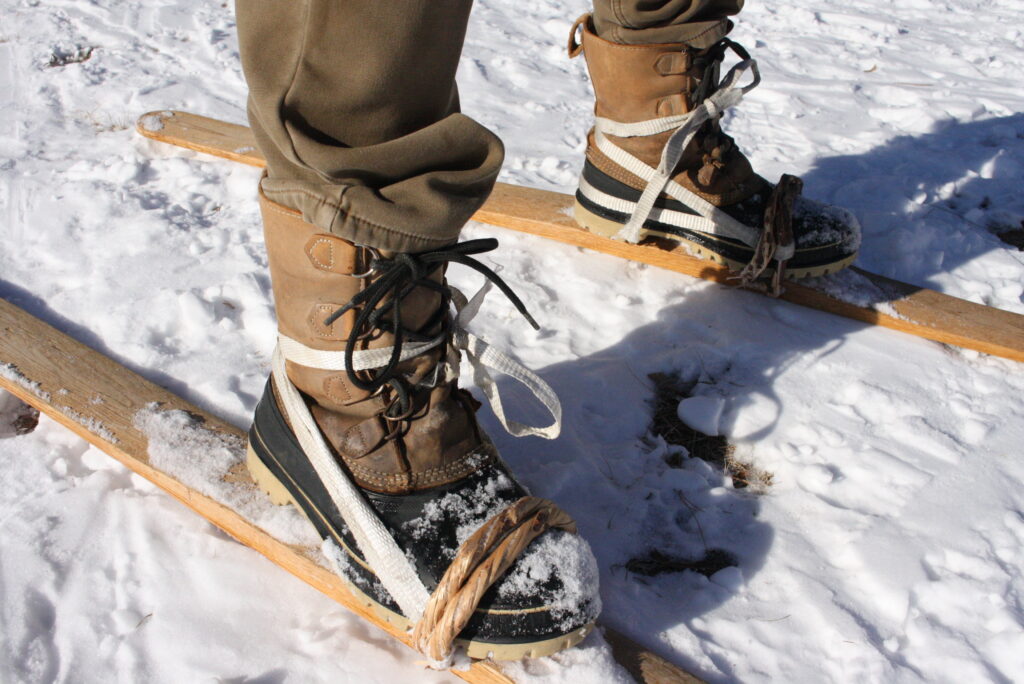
915,195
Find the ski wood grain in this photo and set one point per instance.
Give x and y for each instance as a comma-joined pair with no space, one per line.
876,300
97,398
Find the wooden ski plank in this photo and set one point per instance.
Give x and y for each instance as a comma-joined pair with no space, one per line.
202,134
63,379
899,306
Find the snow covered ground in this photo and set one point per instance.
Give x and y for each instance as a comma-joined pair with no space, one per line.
890,545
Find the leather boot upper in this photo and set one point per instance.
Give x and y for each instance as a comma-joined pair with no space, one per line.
437,440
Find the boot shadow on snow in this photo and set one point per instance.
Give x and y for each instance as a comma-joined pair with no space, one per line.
632,493
646,506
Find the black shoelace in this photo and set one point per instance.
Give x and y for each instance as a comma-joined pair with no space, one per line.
398,277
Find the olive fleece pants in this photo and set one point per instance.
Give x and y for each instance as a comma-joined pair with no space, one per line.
355,107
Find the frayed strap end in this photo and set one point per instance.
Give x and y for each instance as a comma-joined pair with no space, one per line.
777,242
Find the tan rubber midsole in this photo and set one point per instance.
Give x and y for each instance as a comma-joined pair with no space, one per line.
479,650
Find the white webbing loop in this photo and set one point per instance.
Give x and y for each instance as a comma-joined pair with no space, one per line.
714,222
482,356
382,553
639,129
717,222
726,96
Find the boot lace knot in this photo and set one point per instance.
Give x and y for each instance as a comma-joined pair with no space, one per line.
380,303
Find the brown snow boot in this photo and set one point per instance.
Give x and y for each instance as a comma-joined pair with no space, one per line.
658,164
378,429
363,424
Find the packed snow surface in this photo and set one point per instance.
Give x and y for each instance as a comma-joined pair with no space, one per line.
888,547
204,460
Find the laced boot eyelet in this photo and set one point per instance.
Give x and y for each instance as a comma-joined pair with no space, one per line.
372,266
405,415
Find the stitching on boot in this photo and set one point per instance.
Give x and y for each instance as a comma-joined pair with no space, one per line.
621,45
469,463
361,439
279,209
331,383
330,250
319,313
607,166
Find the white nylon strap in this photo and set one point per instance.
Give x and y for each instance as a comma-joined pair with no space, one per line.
382,553
366,359
669,216
719,223
641,128
728,95
482,356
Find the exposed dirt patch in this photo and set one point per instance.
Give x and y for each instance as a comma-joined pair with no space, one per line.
669,390
16,418
656,563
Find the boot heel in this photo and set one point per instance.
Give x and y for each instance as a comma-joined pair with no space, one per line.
266,481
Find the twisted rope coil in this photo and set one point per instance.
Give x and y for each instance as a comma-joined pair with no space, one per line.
480,561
